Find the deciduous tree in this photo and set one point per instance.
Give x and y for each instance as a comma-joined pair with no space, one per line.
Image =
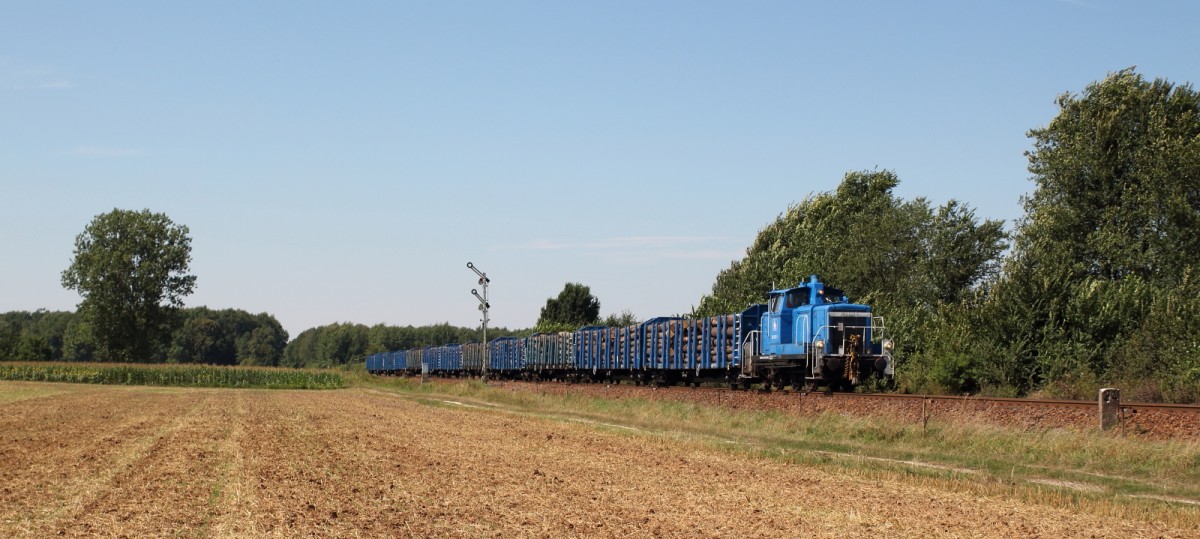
131,268
574,307
1110,241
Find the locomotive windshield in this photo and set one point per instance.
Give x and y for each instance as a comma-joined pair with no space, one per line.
797,297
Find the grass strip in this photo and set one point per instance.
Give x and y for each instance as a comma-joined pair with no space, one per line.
1106,472
172,375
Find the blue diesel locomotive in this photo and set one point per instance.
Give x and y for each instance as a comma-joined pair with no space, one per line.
806,336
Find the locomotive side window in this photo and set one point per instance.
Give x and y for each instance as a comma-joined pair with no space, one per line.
797,297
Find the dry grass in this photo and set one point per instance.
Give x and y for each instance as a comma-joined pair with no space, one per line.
1124,476
16,391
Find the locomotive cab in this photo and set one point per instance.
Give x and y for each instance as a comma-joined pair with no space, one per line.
812,335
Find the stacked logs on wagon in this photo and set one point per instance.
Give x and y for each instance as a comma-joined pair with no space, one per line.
473,356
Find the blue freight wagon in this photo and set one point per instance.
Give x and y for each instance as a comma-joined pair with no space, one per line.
507,356
606,352
549,355
401,358
412,361
473,357
445,360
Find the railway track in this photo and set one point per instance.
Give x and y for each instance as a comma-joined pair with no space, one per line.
1127,406
1153,420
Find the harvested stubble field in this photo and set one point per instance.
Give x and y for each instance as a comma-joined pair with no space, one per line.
135,462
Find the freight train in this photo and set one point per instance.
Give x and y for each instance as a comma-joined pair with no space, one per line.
805,337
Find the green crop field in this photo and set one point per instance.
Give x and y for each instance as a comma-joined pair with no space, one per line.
172,375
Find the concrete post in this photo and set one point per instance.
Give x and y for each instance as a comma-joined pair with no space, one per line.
1110,408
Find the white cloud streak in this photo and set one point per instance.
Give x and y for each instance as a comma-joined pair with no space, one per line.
33,78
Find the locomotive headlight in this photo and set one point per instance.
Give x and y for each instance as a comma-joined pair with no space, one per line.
888,345
819,344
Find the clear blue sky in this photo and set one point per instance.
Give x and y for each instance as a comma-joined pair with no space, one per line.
342,161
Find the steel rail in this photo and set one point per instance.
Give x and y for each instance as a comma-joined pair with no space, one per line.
1191,408
1037,402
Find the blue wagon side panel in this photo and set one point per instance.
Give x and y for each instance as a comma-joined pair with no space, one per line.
507,354
432,358
473,356
605,349
588,348
549,351
412,360
659,343
449,357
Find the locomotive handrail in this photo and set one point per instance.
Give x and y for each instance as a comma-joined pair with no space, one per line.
750,336
878,332
801,326
751,340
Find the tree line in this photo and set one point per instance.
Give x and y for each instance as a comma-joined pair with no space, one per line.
228,337
1096,284
200,335
344,343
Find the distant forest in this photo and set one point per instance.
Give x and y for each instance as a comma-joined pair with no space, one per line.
228,337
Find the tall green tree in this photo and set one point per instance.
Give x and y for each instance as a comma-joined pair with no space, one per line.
1117,183
131,268
1110,241
574,307
865,240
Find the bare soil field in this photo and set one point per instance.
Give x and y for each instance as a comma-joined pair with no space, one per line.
102,461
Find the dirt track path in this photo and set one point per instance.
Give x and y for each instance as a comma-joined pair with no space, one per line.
135,462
